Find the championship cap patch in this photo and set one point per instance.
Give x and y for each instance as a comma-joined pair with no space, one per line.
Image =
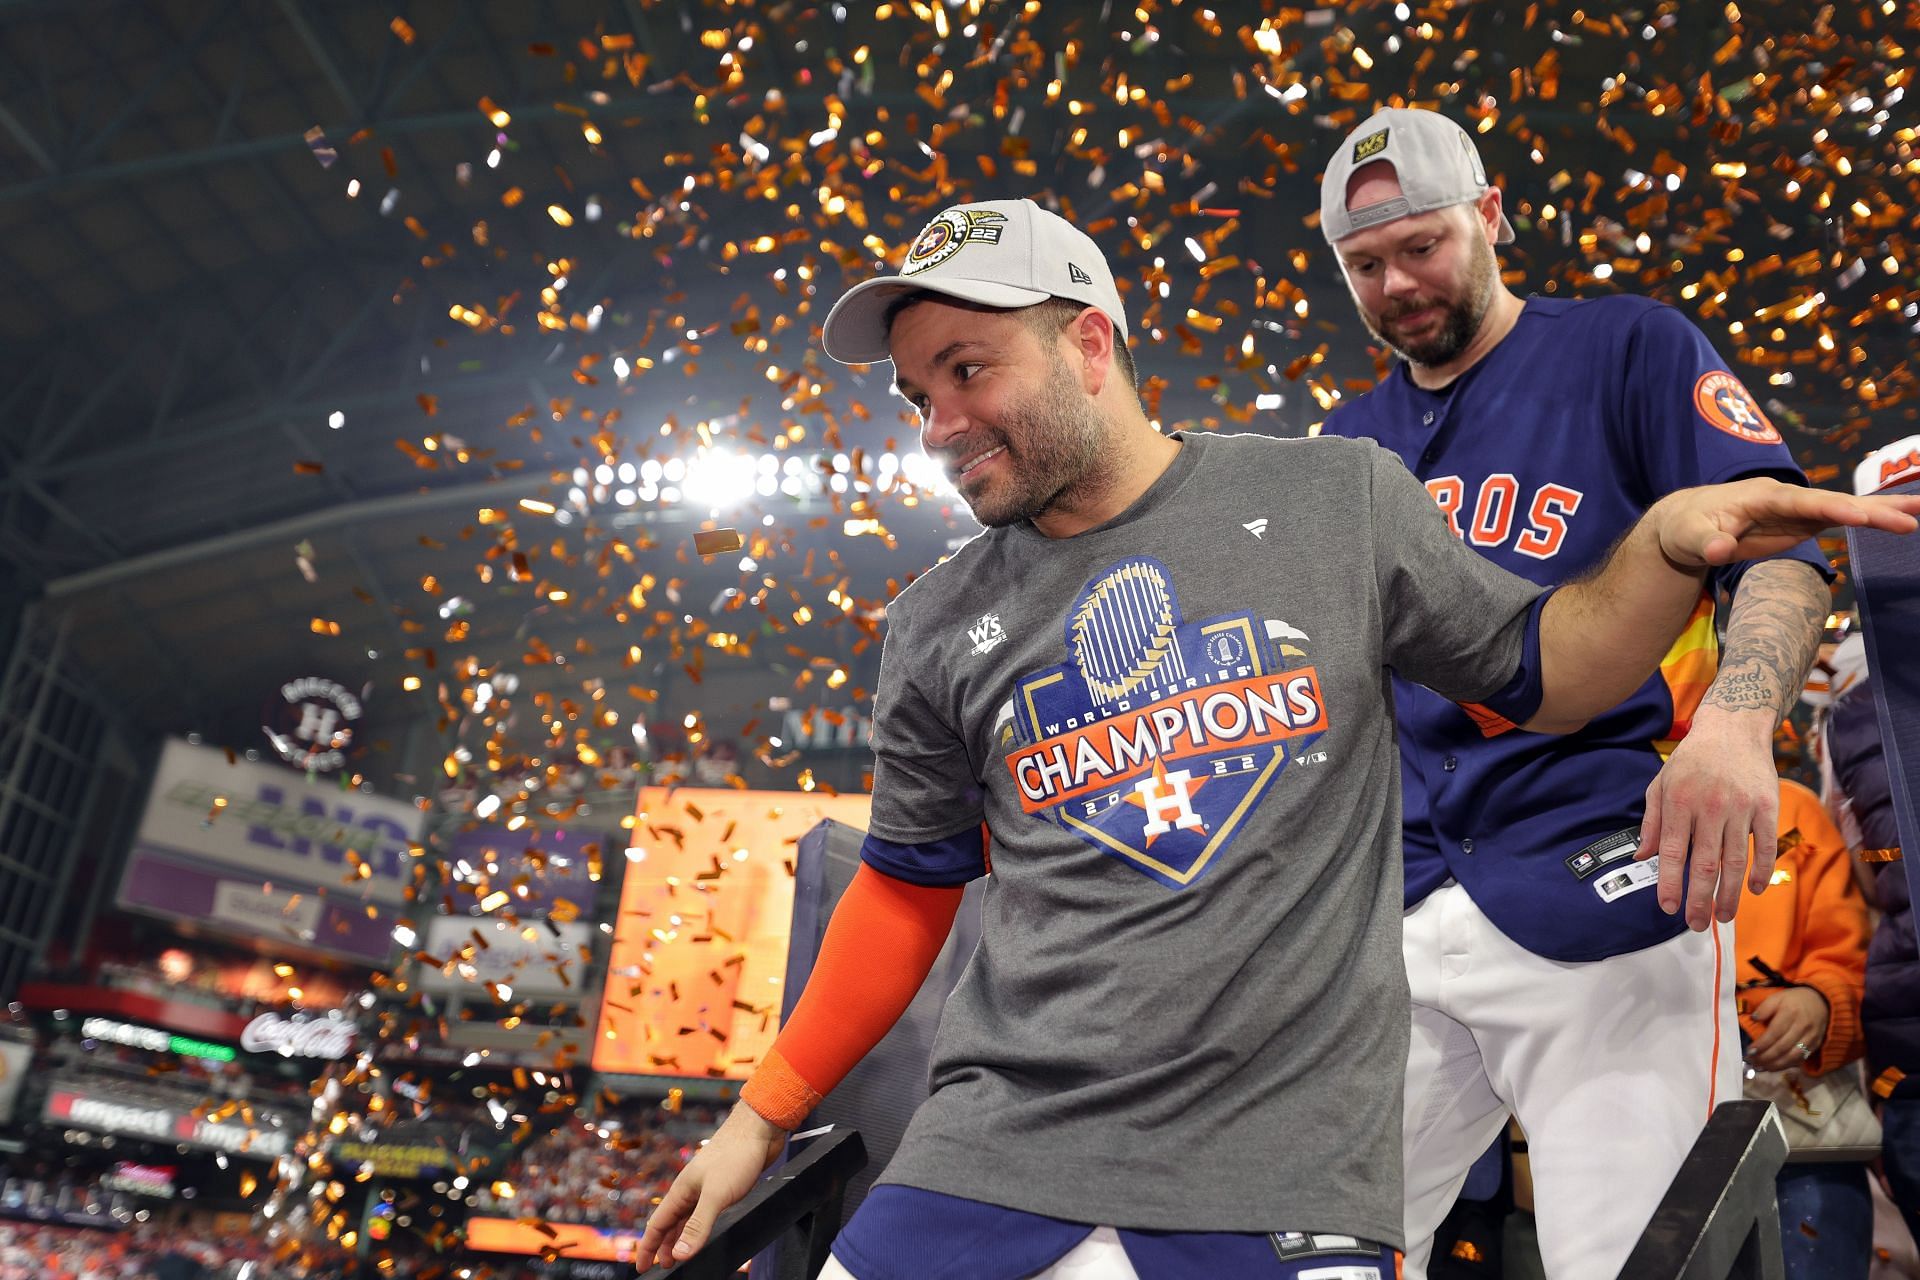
1371,145
1720,398
947,234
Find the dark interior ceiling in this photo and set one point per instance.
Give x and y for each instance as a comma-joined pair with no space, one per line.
191,295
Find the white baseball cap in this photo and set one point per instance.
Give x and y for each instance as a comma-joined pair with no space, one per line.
998,253
1434,159
1887,466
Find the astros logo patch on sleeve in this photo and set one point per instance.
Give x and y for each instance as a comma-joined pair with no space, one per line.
1157,737
1724,402
947,234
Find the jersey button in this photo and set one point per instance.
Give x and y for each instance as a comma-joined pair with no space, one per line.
1426,419
1450,763
1466,846
1426,459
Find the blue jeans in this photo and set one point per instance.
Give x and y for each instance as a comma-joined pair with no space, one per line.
1826,1221
1900,1156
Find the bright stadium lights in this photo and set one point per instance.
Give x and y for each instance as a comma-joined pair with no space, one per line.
924,473
718,479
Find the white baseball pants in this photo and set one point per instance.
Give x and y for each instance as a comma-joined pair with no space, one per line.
1611,1067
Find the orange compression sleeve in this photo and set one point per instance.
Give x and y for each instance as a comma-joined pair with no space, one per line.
879,947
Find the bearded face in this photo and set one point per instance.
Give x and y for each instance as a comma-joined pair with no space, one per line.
1432,322
1000,411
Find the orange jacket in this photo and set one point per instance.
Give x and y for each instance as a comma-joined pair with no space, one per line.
1811,925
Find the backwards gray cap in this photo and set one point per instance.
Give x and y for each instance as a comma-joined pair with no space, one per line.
1433,158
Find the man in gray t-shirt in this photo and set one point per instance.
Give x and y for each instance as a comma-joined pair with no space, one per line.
1184,724
1160,680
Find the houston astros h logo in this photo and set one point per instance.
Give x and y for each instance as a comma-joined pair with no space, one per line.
1168,801
1157,736
1724,402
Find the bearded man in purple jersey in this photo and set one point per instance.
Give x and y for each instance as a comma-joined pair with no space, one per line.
1554,974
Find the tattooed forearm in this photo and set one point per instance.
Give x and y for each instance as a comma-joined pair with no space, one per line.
1778,616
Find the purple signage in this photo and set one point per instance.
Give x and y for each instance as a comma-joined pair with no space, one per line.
271,826
164,883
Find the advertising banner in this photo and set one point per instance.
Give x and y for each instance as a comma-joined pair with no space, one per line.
694,978
154,1180
537,871
276,824
394,1159
299,1036
525,1236
154,1040
253,849
156,1122
534,958
580,1269
261,909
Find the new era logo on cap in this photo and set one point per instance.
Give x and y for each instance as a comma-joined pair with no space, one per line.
996,253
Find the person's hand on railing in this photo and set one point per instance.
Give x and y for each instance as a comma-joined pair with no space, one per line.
716,1179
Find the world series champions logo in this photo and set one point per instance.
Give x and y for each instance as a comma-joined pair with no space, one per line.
947,234
1157,738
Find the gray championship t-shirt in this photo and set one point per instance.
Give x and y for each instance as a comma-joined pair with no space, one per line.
1187,1010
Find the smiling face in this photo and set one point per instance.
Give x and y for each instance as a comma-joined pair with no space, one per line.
1423,283
1000,409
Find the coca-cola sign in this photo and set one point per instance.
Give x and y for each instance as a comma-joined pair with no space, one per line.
317,1038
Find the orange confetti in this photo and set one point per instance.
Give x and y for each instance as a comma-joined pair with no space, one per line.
714,542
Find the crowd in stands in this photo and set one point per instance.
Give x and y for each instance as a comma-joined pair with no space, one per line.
38,1251
238,985
197,985
203,1078
42,1189
602,1173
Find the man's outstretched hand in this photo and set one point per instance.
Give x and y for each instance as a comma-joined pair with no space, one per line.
716,1179
1717,800
1753,519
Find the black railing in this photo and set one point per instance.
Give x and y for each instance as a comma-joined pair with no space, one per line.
796,1206
1718,1220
